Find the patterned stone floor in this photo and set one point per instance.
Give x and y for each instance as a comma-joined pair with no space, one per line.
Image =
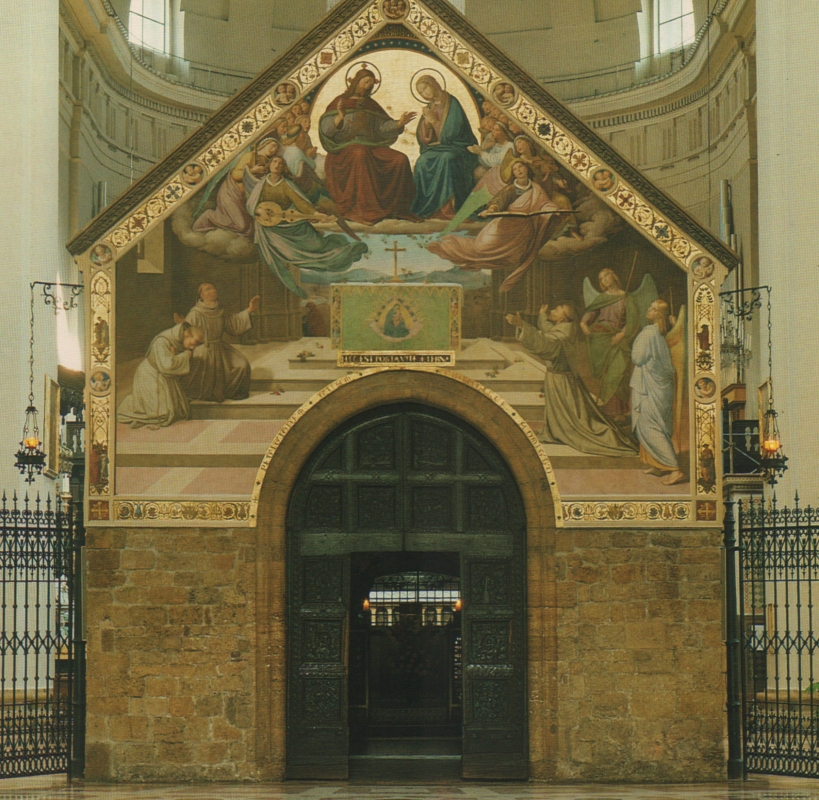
754,789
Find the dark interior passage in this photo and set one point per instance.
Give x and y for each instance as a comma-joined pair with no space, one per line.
405,665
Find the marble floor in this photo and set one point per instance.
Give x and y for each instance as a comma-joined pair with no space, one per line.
757,788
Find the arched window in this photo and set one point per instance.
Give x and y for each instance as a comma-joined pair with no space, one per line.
675,24
147,22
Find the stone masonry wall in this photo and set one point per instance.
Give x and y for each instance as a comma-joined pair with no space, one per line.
640,679
171,662
171,656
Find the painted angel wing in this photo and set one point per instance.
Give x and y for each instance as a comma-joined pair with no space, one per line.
590,294
644,295
677,344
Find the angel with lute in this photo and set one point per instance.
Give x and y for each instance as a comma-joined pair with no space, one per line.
283,233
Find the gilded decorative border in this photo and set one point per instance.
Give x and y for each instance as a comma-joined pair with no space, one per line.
628,511
101,374
322,394
181,510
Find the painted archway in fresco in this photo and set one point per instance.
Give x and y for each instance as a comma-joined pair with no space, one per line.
396,191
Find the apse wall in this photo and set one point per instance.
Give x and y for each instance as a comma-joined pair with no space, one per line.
687,131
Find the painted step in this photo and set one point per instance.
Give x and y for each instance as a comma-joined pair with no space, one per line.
265,405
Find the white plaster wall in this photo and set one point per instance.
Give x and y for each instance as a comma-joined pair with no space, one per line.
788,77
30,236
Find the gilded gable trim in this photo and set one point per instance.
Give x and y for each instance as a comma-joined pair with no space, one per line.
298,58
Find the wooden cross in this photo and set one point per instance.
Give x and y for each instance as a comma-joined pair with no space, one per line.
395,250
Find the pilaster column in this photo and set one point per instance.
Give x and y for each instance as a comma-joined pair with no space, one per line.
788,141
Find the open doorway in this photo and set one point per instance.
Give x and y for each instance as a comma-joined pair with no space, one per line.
413,511
405,688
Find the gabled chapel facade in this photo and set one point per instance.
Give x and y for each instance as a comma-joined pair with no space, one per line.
326,538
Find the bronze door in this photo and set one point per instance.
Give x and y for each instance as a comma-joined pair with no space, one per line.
406,479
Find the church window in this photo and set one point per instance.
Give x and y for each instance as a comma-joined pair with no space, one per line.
675,24
146,24
429,597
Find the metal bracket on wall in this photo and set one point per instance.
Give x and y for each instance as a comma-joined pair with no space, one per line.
59,302
737,306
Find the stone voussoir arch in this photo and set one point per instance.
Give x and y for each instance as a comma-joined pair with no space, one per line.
288,453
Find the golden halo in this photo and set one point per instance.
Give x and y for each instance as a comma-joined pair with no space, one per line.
364,65
433,73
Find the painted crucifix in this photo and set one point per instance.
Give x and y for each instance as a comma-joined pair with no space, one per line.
395,250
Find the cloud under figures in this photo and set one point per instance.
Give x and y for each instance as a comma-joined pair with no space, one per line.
596,222
224,244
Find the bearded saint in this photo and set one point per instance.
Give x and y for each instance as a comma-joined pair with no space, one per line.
367,179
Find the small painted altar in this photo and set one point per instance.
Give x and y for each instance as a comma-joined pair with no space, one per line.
396,323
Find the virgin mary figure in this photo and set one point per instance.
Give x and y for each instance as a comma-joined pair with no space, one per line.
367,179
444,170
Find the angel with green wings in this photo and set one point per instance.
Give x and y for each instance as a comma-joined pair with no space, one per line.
612,319
657,386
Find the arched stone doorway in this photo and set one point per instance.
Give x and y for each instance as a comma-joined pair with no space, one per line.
479,412
413,480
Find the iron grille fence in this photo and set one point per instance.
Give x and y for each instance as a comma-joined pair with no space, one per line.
39,696
778,612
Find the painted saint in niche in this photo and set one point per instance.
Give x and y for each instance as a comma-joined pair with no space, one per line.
218,371
443,171
394,325
368,180
395,321
286,238
157,398
570,416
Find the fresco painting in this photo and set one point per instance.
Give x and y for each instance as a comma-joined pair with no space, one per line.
395,173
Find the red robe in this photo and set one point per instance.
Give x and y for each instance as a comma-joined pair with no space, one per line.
367,180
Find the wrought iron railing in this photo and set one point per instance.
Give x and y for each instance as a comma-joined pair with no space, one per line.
779,613
40,652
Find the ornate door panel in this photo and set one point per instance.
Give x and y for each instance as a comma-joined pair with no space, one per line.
406,478
317,732
495,743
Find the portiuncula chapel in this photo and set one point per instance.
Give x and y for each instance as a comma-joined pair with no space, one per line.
402,414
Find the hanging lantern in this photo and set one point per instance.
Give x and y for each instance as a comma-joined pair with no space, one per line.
30,458
773,461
